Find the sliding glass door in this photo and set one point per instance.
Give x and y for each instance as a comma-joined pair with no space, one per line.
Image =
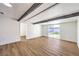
54,31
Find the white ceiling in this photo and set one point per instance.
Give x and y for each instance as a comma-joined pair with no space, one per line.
16,11
39,9
59,10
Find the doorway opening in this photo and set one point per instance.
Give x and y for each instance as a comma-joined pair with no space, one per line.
22,31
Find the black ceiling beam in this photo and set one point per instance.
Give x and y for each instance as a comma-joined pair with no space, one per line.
32,8
43,11
60,17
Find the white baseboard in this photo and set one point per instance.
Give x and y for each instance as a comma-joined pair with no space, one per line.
4,43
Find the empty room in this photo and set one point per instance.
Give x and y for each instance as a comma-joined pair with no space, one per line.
39,29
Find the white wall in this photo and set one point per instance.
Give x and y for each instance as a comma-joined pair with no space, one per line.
22,29
69,31
32,31
9,30
78,31
44,30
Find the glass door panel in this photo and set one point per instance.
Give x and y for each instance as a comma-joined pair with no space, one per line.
54,31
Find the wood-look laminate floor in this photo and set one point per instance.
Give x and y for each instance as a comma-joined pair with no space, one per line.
41,46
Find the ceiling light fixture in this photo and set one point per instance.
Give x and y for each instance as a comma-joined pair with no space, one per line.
8,4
